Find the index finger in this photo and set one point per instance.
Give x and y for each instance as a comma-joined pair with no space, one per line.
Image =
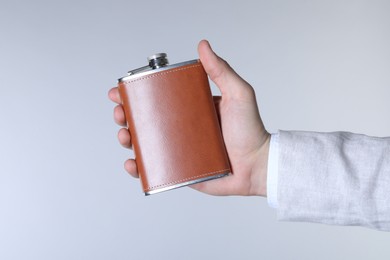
113,94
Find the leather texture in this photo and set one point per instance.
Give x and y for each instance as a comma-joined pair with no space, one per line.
174,127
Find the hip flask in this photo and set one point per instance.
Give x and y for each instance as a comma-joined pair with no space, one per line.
173,124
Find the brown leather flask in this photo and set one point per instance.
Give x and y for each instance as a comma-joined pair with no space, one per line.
173,124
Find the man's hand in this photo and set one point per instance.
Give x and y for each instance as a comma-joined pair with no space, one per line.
246,140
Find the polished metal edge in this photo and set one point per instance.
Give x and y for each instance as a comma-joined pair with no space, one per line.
187,183
151,71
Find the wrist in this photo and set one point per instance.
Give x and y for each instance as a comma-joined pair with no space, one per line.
260,167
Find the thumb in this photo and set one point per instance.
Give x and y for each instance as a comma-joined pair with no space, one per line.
219,71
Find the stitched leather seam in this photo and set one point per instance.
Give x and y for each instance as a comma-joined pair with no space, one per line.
162,73
186,179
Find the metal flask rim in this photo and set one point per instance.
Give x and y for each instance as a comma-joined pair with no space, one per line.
150,70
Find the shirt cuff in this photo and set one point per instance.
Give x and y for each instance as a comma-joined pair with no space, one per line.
272,171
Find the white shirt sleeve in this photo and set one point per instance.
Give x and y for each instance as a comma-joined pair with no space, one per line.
272,171
335,178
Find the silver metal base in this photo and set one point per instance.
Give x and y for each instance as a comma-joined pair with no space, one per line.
187,183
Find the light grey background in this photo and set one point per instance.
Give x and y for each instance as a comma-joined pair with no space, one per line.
315,65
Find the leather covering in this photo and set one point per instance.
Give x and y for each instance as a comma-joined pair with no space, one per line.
174,127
